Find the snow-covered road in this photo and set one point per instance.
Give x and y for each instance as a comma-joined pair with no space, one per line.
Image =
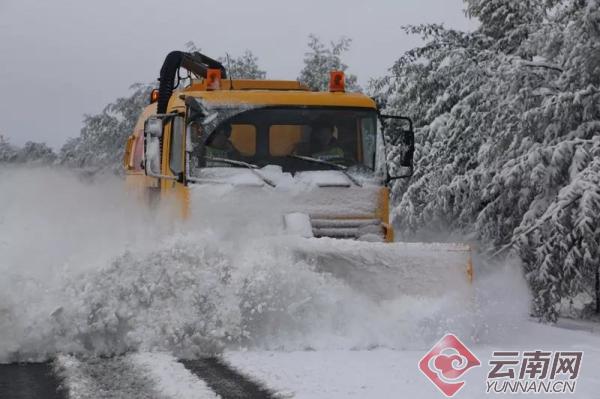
322,374
385,373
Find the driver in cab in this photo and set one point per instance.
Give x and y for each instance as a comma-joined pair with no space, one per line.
219,145
324,144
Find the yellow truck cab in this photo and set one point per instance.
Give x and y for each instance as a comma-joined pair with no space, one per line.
319,157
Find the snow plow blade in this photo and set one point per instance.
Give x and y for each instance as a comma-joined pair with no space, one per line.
389,270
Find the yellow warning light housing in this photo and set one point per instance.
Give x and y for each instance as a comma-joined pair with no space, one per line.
213,79
337,81
153,96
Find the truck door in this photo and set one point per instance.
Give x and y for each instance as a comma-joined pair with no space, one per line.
173,163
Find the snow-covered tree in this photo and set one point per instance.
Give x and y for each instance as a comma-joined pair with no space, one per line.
244,66
7,151
102,140
31,153
507,22
508,140
321,59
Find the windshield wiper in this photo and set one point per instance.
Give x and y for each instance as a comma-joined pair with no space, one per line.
251,167
339,167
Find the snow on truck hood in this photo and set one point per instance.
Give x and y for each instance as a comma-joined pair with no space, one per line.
252,204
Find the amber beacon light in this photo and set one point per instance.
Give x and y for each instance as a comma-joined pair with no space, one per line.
213,79
154,96
337,81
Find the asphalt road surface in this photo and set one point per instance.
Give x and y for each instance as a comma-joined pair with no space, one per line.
117,377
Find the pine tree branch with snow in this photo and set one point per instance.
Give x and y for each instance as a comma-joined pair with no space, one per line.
508,127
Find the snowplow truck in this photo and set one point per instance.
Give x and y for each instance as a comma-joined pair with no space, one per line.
317,164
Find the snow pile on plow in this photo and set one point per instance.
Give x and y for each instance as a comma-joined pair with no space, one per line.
396,269
198,295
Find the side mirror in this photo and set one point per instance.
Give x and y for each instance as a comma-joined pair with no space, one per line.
153,130
399,139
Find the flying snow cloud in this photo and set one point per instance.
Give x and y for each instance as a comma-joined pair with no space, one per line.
85,269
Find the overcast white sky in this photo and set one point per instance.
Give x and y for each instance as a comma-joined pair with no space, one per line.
61,59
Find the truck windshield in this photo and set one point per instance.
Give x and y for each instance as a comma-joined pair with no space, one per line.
293,138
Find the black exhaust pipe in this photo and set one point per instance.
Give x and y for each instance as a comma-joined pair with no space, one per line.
196,63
